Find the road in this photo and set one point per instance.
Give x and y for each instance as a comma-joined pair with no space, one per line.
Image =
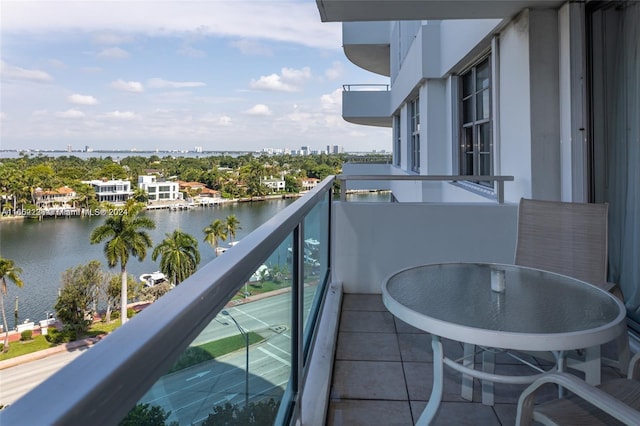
191,394
17,381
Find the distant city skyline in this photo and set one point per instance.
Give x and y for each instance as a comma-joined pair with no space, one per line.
225,75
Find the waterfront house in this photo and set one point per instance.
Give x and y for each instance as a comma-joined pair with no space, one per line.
159,190
60,198
199,193
115,191
276,184
544,91
309,183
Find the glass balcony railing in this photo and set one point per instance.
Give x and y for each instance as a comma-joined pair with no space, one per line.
230,342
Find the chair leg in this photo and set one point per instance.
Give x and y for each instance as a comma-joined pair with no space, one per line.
624,353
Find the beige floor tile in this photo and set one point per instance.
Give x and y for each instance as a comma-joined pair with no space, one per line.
372,322
362,302
369,413
368,346
368,380
459,414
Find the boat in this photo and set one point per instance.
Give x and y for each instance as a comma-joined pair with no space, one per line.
153,278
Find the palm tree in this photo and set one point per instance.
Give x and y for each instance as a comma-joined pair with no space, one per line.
233,224
214,232
8,271
125,236
179,256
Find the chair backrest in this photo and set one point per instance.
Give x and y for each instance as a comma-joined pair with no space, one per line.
566,238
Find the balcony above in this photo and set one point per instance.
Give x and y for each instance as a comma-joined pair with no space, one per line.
411,10
367,45
367,104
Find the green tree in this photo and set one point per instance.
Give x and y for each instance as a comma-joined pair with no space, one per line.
8,272
78,296
85,194
232,225
125,236
140,195
146,415
215,232
179,256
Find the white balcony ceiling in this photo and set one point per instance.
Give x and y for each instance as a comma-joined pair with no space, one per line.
411,10
371,57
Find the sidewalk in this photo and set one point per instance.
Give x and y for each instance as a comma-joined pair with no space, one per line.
12,362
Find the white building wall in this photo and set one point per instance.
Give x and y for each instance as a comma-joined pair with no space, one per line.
529,121
514,107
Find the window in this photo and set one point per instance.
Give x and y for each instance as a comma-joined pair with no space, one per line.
476,144
397,140
414,112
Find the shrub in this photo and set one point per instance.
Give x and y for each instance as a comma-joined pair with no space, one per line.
55,336
26,335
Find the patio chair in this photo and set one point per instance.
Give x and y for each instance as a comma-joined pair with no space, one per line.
570,239
615,402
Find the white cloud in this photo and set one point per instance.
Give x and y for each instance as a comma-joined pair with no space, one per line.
111,38
259,109
252,47
220,120
113,53
70,113
191,52
82,99
16,73
128,86
335,72
289,80
159,83
332,101
121,115
288,21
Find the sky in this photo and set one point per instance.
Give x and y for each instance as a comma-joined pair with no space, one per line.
156,74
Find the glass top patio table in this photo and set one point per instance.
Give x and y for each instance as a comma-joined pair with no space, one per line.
533,310
538,310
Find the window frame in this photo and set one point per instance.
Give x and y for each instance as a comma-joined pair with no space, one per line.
476,127
414,134
397,140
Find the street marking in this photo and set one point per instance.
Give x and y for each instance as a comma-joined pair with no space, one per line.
278,348
199,375
274,356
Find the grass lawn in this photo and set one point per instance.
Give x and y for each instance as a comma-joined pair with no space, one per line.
19,348
197,354
257,288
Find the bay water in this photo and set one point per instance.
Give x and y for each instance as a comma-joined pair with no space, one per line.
45,249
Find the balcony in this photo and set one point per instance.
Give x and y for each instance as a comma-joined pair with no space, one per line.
411,10
367,45
367,104
312,346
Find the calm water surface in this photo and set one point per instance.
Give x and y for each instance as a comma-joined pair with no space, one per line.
47,248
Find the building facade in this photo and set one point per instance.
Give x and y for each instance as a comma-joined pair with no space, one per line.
159,190
111,191
545,91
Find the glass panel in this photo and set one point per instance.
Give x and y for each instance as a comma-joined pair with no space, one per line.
242,357
316,264
482,76
467,111
484,138
467,84
483,109
466,154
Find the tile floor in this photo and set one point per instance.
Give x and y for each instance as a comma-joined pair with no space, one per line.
383,373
